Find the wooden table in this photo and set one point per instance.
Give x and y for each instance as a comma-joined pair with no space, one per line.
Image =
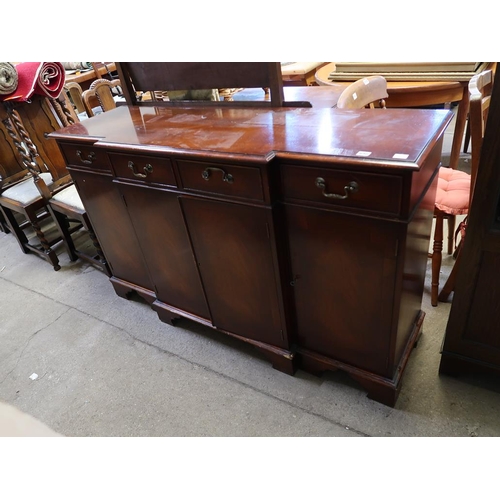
300,73
418,94
303,232
85,78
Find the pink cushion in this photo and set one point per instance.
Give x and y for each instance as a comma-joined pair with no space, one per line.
453,189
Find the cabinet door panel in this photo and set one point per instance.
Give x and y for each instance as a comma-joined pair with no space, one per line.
233,249
344,276
160,228
111,223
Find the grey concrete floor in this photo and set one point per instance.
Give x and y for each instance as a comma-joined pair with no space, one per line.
107,366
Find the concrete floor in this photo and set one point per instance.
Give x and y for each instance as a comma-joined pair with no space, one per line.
106,366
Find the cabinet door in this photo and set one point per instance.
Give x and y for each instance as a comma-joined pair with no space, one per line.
111,223
233,249
343,272
160,228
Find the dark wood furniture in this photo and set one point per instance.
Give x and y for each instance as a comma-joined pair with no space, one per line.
154,77
301,231
39,204
472,340
23,209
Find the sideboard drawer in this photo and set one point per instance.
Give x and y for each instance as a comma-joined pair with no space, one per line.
229,180
375,192
85,156
143,168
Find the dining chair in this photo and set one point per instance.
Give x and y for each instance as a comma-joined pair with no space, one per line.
42,197
456,188
22,208
101,96
66,208
365,92
147,78
74,92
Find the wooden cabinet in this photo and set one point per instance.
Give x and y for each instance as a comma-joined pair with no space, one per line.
311,246
358,259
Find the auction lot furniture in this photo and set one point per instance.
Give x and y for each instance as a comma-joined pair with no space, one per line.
302,231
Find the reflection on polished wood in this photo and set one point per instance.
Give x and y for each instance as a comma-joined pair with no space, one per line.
417,94
319,97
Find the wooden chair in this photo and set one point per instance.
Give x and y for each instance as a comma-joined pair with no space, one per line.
10,163
101,94
23,209
455,188
364,92
66,208
42,193
149,77
74,92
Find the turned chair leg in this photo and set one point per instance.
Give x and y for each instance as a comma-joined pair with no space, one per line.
449,286
62,224
451,233
436,259
50,254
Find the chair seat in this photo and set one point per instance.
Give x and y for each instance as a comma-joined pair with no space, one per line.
69,196
452,195
26,191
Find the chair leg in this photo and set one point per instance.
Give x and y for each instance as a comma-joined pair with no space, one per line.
100,261
467,136
449,286
3,224
436,259
14,228
451,232
48,252
62,224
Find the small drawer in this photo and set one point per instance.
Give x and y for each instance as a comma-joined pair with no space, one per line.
375,192
143,168
80,155
227,180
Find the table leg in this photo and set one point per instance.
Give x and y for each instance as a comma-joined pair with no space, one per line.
458,134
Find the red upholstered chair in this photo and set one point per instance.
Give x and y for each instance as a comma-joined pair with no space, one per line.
455,188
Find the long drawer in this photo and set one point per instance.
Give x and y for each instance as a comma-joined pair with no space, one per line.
85,156
227,180
144,168
360,190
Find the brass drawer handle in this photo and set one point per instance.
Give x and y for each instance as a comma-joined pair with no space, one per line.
148,169
352,187
225,176
90,158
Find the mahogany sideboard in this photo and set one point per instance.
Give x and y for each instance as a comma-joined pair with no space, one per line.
301,231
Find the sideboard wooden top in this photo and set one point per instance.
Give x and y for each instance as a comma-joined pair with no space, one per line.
398,137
